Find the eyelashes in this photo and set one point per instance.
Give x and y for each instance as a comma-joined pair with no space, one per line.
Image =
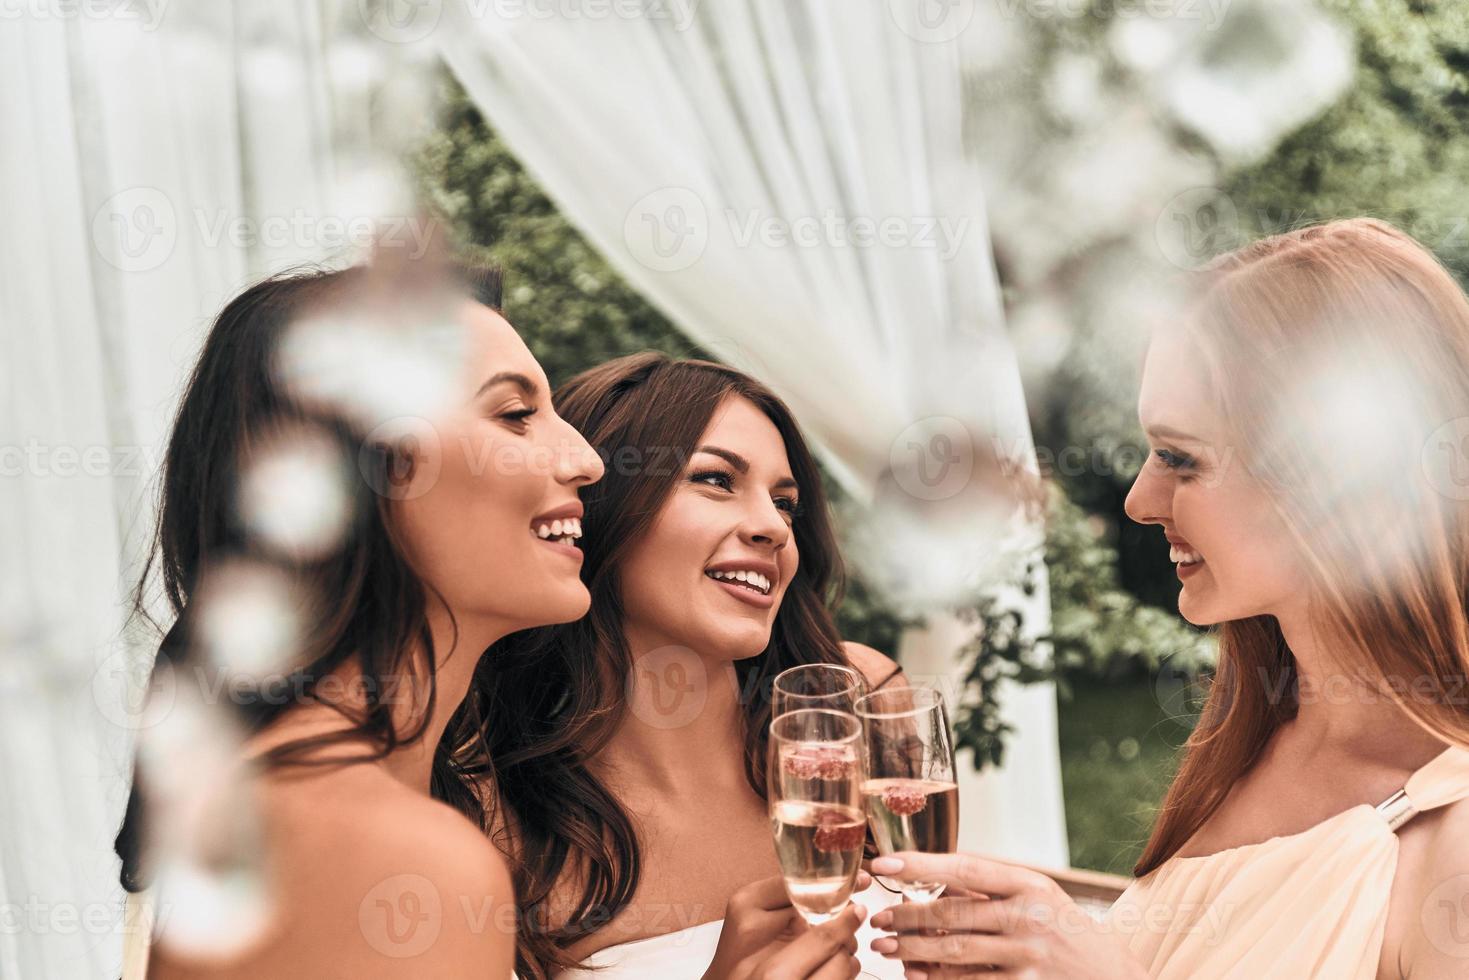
790,505
518,417
714,478
725,481
1175,461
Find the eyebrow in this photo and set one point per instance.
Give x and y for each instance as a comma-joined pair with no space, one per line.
742,465
1168,432
524,382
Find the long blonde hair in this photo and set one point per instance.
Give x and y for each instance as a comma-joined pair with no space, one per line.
1339,358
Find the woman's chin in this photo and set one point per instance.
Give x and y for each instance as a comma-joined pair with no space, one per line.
738,644
565,604
1197,611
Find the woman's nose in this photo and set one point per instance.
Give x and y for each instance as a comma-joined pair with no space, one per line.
766,524
1149,499
576,461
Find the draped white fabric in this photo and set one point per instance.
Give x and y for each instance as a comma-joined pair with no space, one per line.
153,158
787,181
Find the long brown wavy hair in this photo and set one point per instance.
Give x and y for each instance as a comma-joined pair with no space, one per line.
369,604
555,696
1383,538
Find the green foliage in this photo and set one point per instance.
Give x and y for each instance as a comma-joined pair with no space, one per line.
1396,146
1002,649
1119,751
1099,631
1098,626
572,309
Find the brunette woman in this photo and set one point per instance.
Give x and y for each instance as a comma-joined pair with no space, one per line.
366,873
626,762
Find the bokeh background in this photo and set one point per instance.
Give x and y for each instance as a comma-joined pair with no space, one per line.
157,156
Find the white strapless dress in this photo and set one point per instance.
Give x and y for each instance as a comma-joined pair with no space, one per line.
685,954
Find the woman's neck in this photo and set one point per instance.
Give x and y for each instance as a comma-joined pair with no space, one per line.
456,654
1342,710
683,729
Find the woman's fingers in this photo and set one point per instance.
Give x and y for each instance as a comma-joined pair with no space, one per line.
838,968
810,951
954,914
959,949
944,971
969,871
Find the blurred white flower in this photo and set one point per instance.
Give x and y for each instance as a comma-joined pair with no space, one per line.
294,496
205,846
1270,66
375,370
246,620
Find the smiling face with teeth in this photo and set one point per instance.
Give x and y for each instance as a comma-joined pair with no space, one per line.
1224,533
490,513
711,571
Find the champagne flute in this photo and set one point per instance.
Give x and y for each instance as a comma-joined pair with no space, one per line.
815,777
833,686
910,795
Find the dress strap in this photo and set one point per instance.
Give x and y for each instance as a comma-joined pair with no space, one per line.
1397,809
1444,780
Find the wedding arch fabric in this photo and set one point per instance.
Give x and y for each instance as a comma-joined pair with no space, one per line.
787,181
154,158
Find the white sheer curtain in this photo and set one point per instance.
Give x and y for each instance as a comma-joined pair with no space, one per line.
153,159
788,182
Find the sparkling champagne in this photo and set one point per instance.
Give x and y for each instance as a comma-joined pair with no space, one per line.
820,850
913,815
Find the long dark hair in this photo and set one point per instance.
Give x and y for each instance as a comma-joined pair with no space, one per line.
368,604
557,694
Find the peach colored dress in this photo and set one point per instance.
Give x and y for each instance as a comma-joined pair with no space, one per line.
1306,906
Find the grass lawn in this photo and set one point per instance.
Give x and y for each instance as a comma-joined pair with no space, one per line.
1118,751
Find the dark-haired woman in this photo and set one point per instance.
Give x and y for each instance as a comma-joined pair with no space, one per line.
459,537
627,750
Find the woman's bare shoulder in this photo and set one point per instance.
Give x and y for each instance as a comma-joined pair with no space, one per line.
876,666
370,879
1434,934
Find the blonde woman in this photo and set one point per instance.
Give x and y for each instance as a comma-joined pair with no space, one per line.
1309,422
